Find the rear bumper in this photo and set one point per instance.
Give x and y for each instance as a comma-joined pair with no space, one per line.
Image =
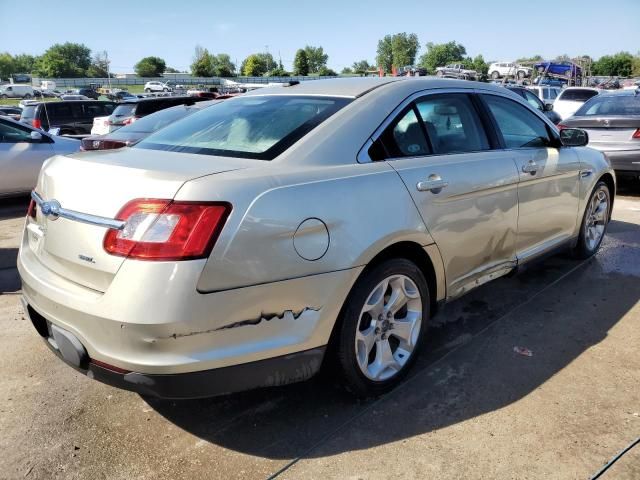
272,372
155,327
625,161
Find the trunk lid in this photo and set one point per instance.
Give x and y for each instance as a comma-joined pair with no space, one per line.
609,133
100,184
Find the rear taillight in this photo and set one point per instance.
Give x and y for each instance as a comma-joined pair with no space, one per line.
31,211
167,230
36,123
636,135
129,121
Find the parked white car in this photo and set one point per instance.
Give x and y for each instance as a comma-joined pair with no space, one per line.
508,69
571,99
157,87
16,91
546,93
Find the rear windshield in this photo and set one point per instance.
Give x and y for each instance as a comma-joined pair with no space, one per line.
28,113
578,95
258,127
611,105
158,120
124,109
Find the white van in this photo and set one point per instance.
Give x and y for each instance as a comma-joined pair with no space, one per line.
16,91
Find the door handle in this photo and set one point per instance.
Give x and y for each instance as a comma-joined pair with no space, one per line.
433,184
531,167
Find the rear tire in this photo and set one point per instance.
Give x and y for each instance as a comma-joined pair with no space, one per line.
495,75
147,90
521,75
439,73
382,327
594,222
27,96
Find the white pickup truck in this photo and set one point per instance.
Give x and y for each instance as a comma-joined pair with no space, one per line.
456,70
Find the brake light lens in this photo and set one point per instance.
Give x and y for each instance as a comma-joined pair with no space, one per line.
129,121
31,211
36,123
166,230
636,135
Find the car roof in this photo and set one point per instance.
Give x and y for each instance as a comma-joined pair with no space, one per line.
355,87
581,88
155,99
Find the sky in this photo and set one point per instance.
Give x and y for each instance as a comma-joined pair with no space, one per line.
348,30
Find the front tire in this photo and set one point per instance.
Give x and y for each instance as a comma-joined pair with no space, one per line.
594,222
383,324
495,75
147,90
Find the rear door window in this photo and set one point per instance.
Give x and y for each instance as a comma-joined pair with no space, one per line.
452,124
533,100
520,128
405,136
11,133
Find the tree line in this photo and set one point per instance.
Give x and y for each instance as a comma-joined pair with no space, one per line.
74,60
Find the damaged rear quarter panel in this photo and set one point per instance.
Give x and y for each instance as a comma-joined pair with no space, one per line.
365,207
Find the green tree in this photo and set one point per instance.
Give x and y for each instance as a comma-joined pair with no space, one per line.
326,72
64,60
7,65
257,64
635,66
222,65
618,65
346,71
150,67
478,64
202,65
316,58
384,55
441,54
24,63
397,50
171,70
534,58
301,63
361,67
99,67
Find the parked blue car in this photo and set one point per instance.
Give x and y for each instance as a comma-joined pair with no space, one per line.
559,68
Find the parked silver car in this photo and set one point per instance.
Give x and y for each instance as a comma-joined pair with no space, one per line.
23,149
243,244
612,121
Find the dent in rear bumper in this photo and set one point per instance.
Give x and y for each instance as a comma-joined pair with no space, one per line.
154,328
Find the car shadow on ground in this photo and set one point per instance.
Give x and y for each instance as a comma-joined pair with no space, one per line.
558,309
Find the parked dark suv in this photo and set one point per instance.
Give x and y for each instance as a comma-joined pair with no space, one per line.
129,111
87,92
73,117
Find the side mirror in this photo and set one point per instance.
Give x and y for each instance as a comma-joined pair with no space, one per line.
574,137
548,107
36,136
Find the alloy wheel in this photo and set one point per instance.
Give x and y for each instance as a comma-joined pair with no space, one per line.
388,327
596,219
